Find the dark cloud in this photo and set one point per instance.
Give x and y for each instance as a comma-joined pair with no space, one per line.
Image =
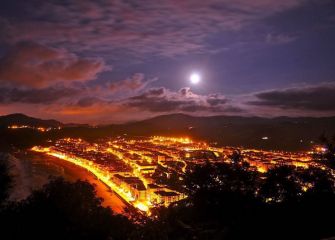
216,99
36,96
318,98
184,100
35,65
78,94
155,92
88,101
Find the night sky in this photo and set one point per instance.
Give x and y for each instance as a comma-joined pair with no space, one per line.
108,61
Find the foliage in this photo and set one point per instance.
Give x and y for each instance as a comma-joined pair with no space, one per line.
62,210
5,181
229,201
329,155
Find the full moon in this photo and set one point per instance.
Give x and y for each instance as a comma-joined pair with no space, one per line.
195,78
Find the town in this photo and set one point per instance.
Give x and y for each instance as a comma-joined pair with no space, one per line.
148,172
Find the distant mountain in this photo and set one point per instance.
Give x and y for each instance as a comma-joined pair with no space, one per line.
282,133
21,119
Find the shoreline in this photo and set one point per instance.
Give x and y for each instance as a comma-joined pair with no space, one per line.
44,166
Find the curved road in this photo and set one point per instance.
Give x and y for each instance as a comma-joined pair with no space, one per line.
39,167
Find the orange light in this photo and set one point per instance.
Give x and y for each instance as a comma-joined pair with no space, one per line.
143,207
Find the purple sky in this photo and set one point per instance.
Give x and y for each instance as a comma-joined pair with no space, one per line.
110,61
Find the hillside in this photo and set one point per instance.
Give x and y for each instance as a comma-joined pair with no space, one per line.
282,133
279,133
21,119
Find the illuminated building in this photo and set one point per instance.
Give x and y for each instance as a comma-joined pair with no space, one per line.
166,197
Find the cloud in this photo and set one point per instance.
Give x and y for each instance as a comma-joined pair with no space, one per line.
136,28
88,101
36,96
315,98
35,65
151,102
279,38
80,95
135,83
164,100
216,99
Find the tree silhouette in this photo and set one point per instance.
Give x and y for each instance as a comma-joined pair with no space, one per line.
5,180
63,210
280,185
329,155
228,201
236,156
219,196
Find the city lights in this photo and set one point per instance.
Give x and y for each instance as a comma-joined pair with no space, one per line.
139,170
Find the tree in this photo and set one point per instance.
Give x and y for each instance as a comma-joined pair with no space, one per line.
63,210
280,185
329,154
5,180
236,156
219,196
222,205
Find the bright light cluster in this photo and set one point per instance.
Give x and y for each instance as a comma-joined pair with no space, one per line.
138,168
40,129
99,173
159,139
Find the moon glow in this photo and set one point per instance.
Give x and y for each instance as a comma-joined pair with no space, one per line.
195,78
